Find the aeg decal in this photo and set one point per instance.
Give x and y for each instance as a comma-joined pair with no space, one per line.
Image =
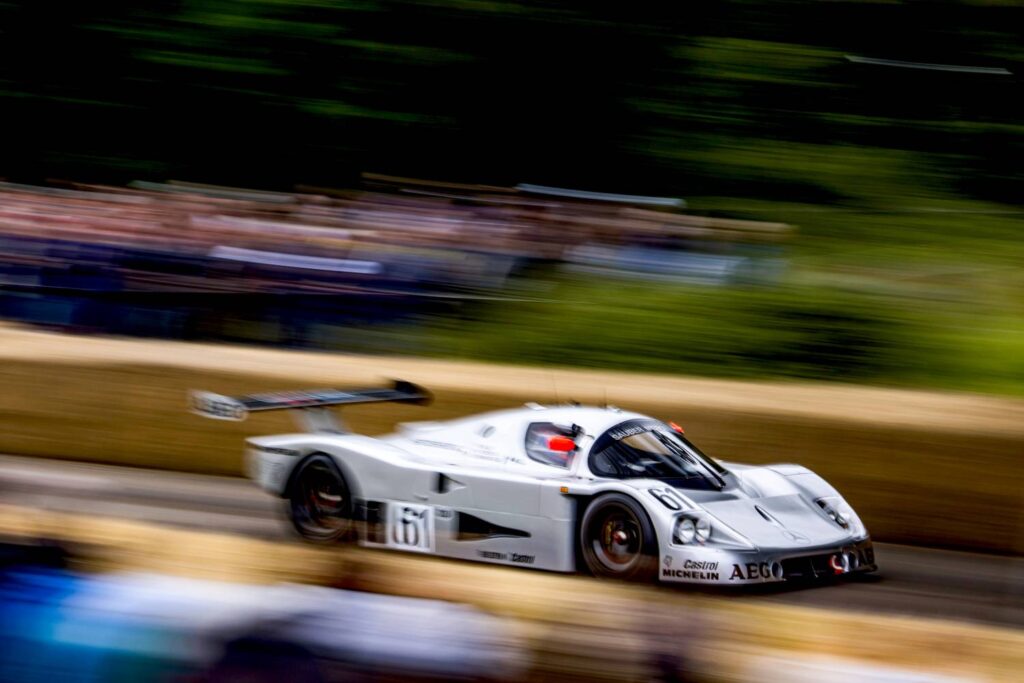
752,571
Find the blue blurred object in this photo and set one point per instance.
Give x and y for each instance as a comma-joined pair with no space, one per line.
61,625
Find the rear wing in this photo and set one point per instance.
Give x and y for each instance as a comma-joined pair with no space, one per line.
312,403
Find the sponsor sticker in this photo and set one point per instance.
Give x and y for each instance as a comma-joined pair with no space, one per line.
492,555
751,571
694,570
439,444
517,558
698,564
693,575
623,432
217,407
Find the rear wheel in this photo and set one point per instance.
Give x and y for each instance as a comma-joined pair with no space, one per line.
320,503
617,539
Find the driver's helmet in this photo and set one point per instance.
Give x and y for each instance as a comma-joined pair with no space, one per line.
550,444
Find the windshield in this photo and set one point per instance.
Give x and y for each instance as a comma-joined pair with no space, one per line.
648,449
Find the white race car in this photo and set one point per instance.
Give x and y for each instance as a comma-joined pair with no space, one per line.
561,488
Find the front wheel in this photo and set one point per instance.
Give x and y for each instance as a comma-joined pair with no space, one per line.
617,539
320,503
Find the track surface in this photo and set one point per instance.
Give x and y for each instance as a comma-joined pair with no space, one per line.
912,581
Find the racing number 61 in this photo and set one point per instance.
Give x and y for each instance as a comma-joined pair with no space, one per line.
411,527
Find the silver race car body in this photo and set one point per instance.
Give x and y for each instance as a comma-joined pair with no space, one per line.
561,488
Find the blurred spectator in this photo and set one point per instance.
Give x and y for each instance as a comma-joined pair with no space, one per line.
194,261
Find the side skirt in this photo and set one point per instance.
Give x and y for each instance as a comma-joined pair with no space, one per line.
466,534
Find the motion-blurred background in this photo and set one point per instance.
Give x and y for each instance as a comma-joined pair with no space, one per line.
874,146
819,205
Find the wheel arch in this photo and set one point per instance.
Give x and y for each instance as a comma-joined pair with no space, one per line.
344,470
585,500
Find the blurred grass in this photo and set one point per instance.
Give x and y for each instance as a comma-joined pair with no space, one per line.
933,334
685,329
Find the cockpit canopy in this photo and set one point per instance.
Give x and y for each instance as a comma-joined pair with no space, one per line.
649,449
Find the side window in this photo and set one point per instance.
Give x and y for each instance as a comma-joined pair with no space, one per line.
550,444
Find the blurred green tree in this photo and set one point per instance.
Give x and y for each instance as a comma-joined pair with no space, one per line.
637,97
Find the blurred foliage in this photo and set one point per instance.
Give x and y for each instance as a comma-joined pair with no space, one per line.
740,98
904,182
800,331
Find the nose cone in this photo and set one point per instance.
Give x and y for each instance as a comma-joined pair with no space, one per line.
777,522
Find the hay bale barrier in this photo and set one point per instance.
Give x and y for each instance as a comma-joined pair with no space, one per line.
921,467
574,628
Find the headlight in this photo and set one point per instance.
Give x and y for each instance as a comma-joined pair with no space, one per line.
842,514
831,508
703,529
688,529
685,530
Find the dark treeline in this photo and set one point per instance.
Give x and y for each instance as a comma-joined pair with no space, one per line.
651,97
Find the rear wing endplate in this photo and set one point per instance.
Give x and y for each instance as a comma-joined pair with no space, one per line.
312,403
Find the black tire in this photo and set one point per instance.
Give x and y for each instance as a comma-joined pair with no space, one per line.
617,540
320,503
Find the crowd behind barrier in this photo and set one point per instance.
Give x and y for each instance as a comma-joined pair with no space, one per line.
194,261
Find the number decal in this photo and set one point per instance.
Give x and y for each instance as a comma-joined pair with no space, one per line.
411,527
669,498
